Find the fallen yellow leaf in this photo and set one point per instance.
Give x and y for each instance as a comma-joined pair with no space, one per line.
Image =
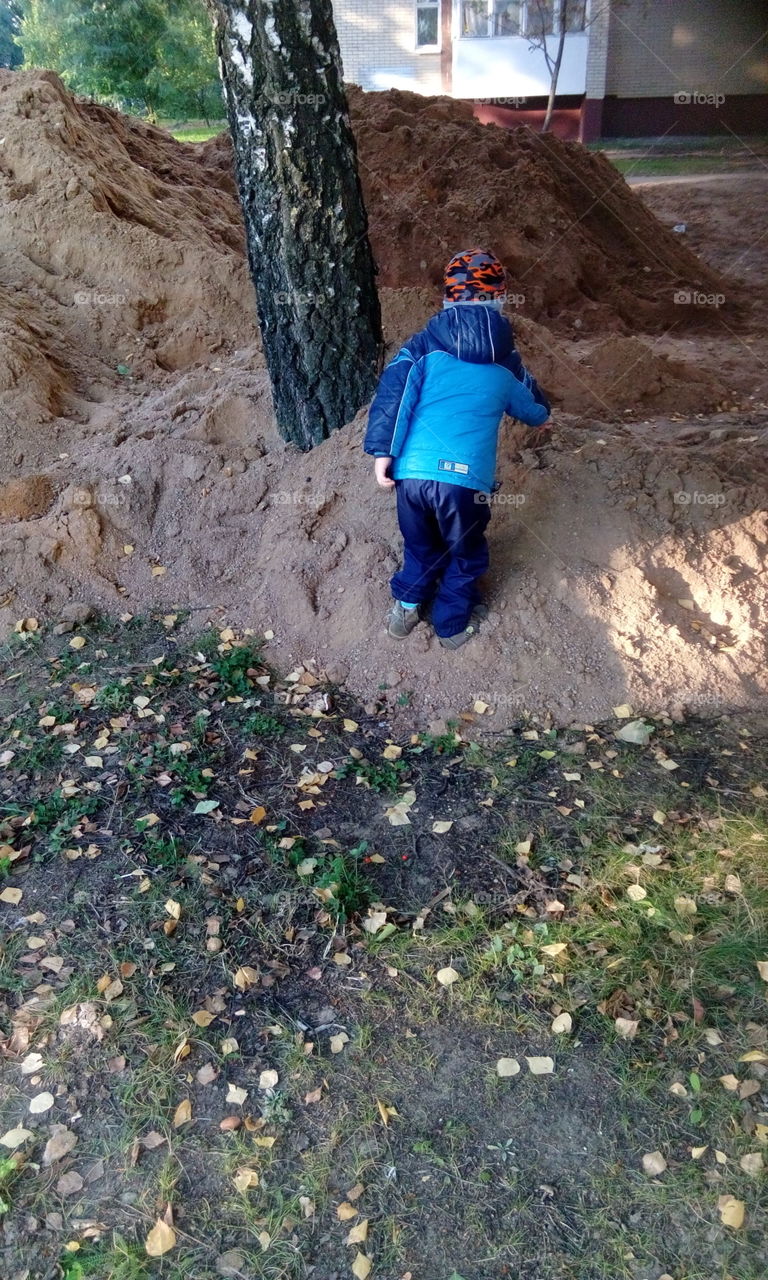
160,1239
359,1233
731,1212
182,1114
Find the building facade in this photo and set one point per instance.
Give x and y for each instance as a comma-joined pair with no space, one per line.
629,67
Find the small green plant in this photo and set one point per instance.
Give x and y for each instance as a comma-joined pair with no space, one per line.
114,696
232,669
9,1172
379,775
264,725
349,892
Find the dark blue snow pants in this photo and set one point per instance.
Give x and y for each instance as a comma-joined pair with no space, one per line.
443,527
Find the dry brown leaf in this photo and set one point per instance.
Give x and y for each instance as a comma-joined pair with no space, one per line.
245,978
654,1164
361,1267
245,1179
202,1018
359,1233
626,1027
60,1143
268,1079
151,1140
345,1211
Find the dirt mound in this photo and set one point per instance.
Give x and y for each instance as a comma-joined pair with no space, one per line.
579,244
627,567
140,466
117,249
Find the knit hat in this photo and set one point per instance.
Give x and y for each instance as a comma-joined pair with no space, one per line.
474,275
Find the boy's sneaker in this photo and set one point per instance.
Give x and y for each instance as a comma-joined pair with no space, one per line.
401,622
479,613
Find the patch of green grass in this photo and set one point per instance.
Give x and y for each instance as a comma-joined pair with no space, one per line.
262,724
379,775
10,1169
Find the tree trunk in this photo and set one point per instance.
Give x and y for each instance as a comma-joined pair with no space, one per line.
305,221
563,16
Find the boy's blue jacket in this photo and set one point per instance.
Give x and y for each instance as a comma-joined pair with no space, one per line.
439,403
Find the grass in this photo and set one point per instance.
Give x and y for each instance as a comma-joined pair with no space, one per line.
330,994
193,130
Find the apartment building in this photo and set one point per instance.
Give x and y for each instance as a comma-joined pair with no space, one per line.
629,67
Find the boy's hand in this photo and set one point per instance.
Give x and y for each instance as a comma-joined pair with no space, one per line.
381,469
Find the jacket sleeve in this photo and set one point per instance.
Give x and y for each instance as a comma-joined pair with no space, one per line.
527,401
382,418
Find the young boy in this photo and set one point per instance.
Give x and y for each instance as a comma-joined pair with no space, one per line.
433,430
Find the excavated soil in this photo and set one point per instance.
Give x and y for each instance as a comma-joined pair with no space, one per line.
141,467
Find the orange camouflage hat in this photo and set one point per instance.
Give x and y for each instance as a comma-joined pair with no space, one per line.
473,274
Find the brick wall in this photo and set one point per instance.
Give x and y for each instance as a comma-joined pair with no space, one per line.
377,39
663,47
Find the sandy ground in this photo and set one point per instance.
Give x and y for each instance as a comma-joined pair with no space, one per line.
141,467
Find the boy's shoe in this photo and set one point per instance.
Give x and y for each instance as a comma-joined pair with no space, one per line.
479,613
401,622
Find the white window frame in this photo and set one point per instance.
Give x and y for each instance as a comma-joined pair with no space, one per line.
427,48
490,35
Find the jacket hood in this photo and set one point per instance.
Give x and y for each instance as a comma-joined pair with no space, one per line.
477,333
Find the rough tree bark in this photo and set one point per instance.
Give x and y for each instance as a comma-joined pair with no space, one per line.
305,220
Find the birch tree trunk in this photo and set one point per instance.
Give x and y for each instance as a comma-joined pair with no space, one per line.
305,221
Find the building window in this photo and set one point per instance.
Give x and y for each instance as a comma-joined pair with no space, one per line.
427,24
529,18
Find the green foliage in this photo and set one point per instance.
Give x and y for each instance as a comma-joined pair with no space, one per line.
10,17
142,55
378,775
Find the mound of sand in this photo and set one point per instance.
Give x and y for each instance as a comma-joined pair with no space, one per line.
140,466
578,242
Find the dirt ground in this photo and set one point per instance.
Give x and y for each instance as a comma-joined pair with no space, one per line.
319,1002
141,466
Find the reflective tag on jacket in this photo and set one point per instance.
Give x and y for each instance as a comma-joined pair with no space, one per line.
460,467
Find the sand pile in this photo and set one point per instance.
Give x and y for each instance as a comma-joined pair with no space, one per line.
140,466
116,248
579,244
